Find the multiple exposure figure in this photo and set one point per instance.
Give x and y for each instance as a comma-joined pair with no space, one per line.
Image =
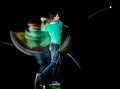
46,36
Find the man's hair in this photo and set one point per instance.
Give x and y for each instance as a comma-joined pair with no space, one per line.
34,20
53,13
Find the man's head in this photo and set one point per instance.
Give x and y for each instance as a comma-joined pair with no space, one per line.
54,15
33,25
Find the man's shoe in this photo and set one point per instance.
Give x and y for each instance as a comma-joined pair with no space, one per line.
55,84
37,79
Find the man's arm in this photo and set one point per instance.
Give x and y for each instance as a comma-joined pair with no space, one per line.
44,21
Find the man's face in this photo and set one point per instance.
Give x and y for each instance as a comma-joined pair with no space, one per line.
56,18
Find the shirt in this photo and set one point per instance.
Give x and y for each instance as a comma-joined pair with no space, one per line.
55,31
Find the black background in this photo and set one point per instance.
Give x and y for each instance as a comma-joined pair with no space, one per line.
90,42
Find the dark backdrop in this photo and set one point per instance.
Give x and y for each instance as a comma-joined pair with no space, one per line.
90,42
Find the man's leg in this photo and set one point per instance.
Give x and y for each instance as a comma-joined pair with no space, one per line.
40,62
50,68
